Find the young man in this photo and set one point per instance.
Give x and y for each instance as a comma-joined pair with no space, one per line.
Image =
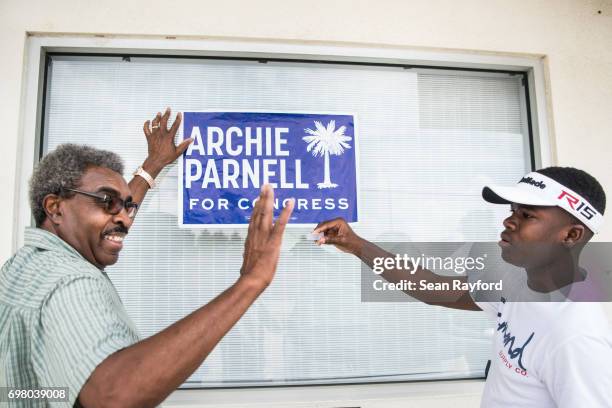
546,354
61,321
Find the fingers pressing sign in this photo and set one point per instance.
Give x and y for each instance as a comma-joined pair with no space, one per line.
337,232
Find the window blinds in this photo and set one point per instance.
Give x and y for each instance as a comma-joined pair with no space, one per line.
428,141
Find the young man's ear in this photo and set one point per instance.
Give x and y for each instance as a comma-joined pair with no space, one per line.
575,233
51,205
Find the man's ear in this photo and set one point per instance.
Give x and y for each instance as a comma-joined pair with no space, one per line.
574,234
51,205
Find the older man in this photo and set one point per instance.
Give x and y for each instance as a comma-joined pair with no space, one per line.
61,321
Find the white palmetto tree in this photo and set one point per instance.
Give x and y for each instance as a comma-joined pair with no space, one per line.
326,141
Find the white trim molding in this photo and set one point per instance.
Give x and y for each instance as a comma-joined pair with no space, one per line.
425,394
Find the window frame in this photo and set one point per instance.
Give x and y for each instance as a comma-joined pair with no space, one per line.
39,48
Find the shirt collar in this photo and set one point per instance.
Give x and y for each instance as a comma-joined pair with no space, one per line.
40,238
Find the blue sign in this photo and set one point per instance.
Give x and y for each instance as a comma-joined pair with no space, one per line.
308,157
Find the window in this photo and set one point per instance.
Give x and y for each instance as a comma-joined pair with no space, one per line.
428,141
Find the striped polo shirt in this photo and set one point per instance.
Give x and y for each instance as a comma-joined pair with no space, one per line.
60,317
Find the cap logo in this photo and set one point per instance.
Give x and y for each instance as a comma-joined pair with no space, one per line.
534,183
584,209
570,199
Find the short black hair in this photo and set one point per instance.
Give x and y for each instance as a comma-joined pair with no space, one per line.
579,181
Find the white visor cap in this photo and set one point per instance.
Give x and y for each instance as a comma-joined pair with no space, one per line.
538,189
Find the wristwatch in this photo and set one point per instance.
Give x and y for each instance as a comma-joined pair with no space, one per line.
142,173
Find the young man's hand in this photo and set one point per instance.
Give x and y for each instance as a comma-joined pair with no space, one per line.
160,142
338,233
263,242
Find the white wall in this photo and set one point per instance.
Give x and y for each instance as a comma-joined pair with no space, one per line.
572,36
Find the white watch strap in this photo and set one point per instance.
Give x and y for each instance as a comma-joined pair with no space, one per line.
142,173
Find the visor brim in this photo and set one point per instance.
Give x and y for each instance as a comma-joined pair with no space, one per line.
509,195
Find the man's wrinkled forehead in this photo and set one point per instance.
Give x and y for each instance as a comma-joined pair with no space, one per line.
104,179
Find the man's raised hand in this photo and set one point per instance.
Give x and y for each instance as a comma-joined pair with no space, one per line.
263,242
337,232
160,142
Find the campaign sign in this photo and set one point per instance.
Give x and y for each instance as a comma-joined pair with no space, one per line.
305,156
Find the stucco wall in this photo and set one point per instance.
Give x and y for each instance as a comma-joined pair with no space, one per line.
574,36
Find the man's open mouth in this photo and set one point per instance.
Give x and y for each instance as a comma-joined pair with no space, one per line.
505,239
115,237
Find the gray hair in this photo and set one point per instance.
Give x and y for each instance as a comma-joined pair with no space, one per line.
62,169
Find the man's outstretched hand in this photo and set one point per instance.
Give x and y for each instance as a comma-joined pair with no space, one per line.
263,242
160,142
166,359
337,232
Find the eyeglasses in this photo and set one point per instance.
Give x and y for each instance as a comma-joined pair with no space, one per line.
112,204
